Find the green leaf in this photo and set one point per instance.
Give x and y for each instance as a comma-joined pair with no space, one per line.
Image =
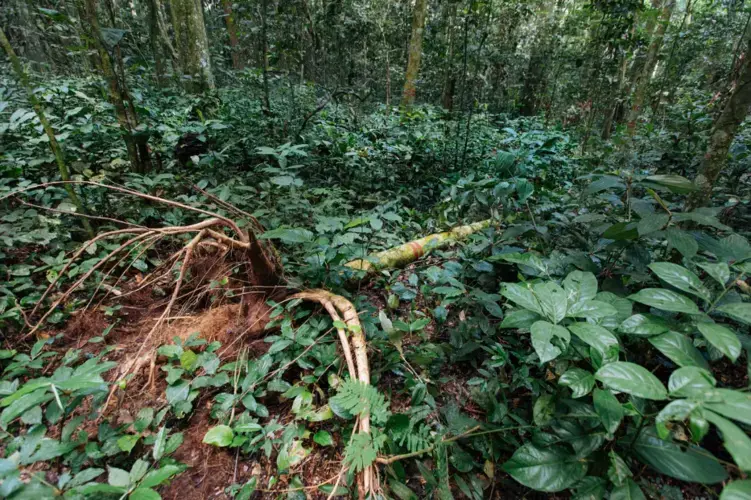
323,438
144,494
523,259
19,406
117,477
723,339
593,309
188,360
608,409
690,381
678,410
128,442
736,441
549,469
739,311
580,286
361,452
622,231
644,325
598,338
683,242
665,300
652,223
686,462
552,300
632,379
160,475
288,235
731,404
520,318
629,490
720,271
159,443
579,381
681,278
675,183
542,335
219,435
679,349
522,296
737,490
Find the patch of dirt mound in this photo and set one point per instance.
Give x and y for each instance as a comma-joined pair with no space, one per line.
219,323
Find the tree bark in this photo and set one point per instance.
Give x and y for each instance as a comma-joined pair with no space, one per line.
415,53
155,41
265,60
192,45
723,133
643,78
234,44
449,79
57,151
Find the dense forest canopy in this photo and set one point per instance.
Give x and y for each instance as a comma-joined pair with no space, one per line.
375,249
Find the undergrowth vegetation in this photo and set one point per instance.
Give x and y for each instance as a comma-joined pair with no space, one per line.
591,337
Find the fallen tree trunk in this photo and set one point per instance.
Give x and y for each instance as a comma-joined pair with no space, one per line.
409,252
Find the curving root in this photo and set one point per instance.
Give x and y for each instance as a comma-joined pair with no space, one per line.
337,306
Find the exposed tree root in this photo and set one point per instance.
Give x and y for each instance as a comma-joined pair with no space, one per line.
339,307
409,252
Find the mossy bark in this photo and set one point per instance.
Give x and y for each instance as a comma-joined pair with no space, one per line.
724,130
57,151
192,45
415,53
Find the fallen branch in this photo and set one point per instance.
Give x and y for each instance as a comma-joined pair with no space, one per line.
409,252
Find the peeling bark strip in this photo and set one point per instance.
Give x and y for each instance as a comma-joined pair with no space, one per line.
413,250
415,53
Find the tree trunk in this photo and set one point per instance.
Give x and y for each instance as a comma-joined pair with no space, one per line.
265,60
57,151
723,133
156,46
415,53
192,45
234,44
643,79
449,79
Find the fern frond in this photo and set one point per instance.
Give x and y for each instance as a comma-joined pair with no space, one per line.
358,398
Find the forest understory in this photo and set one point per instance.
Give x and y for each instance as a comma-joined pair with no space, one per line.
372,249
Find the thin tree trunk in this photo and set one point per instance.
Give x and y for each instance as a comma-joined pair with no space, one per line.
57,151
449,79
723,133
265,60
156,46
415,53
643,79
234,44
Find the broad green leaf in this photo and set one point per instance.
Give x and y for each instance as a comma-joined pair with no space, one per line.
629,490
128,442
622,231
25,402
323,438
542,335
737,490
644,325
679,349
675,183
723,339
580,286
681,278
597,337
159,443
632,379
591,309
739,311
685,462
603,183
219,435
160,475
552,299
524,259
144,494
545,469
690,381
579,381
719,271
731,404
736,440
521,296
288,235
652,223
665,300
520,318
678,410
608,409
118,477
682,241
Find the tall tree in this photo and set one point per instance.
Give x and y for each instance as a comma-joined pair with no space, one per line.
192,44
724,130
643,78
234,43
136,146
415,52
